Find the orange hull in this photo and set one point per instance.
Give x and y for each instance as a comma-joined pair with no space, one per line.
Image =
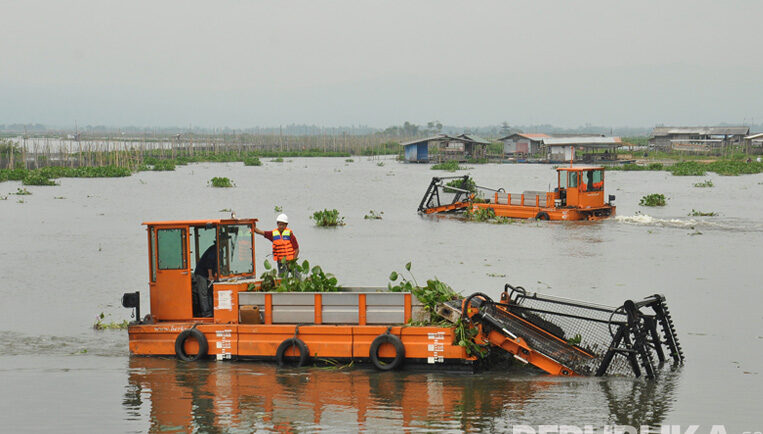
433,345
556,214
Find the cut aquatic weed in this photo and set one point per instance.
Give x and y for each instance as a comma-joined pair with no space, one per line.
220,182
373,215
277,160
695,213
327,217
101,324
278,208
467,184
314,280
707,183
22,192
380,164
654,199
349,160
431,295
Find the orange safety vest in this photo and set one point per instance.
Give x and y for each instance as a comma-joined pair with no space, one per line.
282,247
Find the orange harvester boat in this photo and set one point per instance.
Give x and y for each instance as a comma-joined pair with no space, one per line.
372,324
579,195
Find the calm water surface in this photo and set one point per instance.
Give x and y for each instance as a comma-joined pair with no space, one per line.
69,252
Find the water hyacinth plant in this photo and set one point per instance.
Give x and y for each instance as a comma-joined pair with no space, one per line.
220,182
654,199
327,217
450,166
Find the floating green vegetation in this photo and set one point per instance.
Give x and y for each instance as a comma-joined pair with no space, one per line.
220,182
59,197
450,166
688,168
278,208
22,192
101,324
314,280
373,215
37,178
54,172
631,167
480,214
495,275
706,184
654,199
349,160
695,213
277,160
164,165
252,161
3,197
327,217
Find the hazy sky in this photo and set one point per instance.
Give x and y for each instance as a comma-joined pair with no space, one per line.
265,63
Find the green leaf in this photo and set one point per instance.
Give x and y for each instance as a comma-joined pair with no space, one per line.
408,266
393,276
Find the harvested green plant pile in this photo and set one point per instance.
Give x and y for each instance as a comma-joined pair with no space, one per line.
299,278
327,217
220,182
706,184
434,293
450,166
654,199
468,185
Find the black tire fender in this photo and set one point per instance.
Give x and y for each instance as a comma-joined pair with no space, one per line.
380,340
304,354
180,344
542,216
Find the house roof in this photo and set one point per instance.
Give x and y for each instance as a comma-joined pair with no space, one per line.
425,139
444,137
595,140
475,139
532,136
666,131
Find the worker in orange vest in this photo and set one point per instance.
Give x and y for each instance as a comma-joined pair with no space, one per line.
285,245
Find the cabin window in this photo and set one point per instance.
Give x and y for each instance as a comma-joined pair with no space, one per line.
171,249
562,180
593,180
572,179
202,238
235,250
152,255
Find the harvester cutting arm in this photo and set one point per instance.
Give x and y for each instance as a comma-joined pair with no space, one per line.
432,202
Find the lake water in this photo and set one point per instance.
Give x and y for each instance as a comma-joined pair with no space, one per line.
69,252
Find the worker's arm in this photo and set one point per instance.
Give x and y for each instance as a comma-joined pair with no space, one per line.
258,230
295,245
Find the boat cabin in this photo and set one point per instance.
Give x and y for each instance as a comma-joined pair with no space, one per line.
174,251
580,187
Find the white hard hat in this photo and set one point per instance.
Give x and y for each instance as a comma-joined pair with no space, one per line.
282,218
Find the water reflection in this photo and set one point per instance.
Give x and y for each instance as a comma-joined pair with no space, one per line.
214,397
